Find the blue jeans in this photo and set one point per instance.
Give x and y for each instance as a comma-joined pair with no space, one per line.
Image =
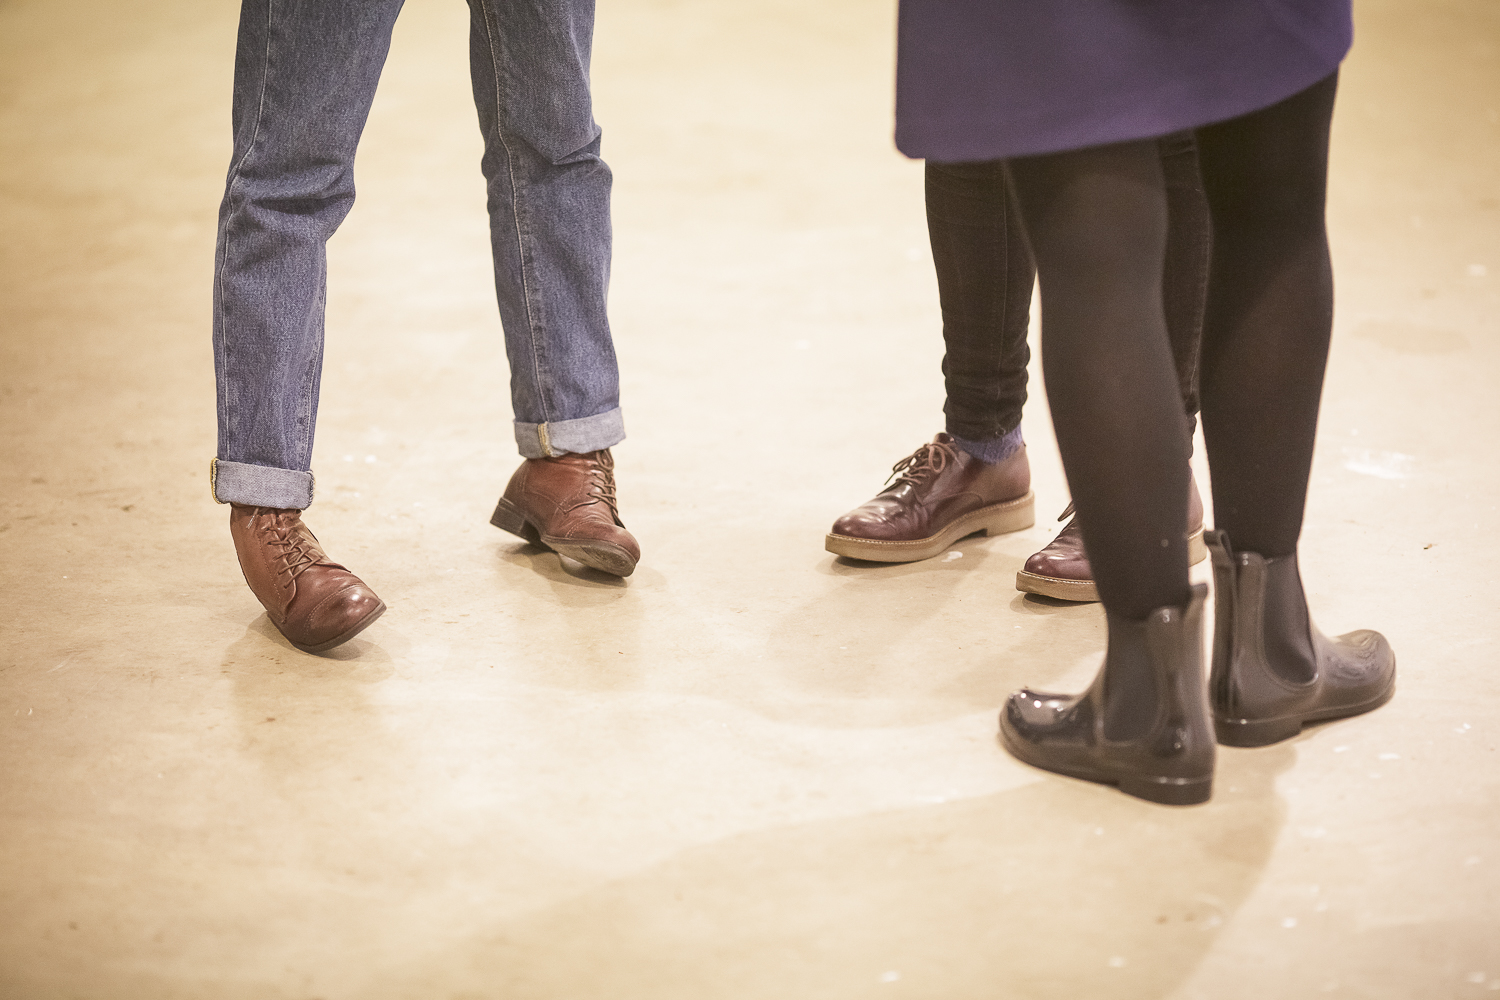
305,75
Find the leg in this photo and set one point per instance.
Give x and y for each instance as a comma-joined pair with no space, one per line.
974,477
1098,220
985,275
1061,568
1270,315
305,74
548,194
550,234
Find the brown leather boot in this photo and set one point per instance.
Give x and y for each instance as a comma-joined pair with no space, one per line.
567,503
314,602
941,493
1061,569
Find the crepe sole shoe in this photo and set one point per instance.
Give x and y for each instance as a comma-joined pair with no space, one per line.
1084,590
348,634
606,557
1152,788
996,519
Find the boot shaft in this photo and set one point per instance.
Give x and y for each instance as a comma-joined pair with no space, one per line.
1168,645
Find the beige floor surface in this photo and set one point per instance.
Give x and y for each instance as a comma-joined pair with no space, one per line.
750,771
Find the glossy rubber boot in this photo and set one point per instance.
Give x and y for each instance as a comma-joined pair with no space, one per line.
1273,671
1172,761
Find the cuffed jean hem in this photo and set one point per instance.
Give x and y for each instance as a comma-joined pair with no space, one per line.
561,437
260,485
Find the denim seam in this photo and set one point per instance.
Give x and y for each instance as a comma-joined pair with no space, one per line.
515,208
309,386
234,176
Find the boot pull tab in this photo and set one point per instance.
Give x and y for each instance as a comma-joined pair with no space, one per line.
1224,557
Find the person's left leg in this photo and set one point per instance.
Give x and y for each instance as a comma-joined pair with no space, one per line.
548,199
1266,338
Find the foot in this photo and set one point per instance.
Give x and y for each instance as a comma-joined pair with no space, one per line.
941,493
567,503
1168,756
316,603
1273,671
1061,568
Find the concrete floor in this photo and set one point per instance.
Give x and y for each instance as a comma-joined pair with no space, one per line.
750,770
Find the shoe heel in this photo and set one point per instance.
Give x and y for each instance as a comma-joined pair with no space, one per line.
1250,733
1169,791
1197,550
508,518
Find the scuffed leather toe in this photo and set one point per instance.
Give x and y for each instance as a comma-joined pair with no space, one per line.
315,602
336,619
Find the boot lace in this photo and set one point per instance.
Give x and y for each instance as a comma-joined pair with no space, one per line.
922,464
601,487
296,560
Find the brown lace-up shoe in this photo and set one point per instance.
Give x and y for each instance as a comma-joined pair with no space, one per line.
940,494
314,602
567,504
1061,569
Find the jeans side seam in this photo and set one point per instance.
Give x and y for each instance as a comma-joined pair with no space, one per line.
310,380
515,209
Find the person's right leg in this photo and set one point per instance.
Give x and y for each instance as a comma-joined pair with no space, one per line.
974,477
1265,348
1097,220
984,274
1061,569
305,74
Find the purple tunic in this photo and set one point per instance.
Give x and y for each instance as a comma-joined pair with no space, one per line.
987,79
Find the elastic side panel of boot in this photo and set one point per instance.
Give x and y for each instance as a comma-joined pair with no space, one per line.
1247,636
1288,638
1225,594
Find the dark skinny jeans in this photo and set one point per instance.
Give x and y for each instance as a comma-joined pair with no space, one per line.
985,276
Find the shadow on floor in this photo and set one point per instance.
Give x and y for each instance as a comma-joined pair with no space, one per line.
1059,889
910,643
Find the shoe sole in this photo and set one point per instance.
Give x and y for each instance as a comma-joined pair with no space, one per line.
1084,591
1152,788
348,634
1248,733
996,519
606,557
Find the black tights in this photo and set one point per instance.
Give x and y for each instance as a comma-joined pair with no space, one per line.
1097,222
985,273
